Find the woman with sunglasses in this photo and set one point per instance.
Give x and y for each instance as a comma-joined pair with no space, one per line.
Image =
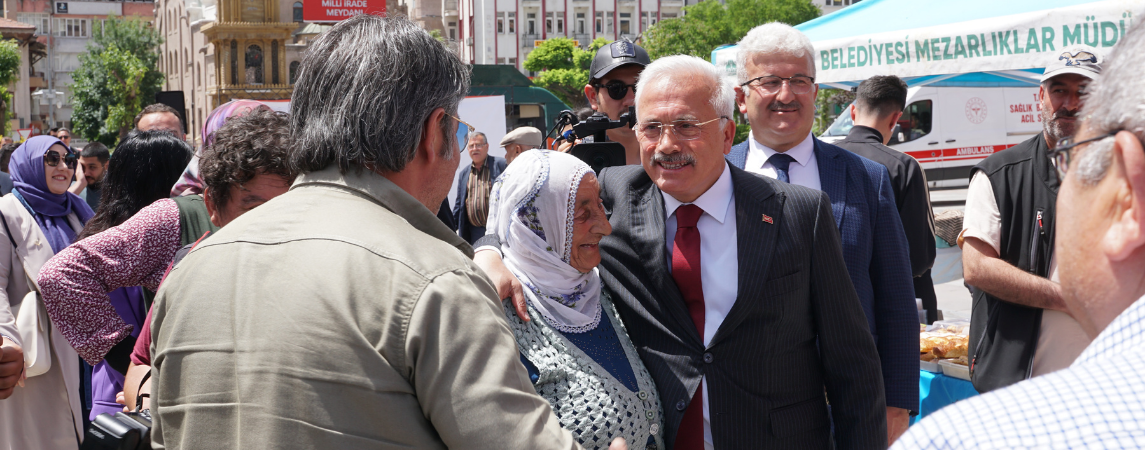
39,219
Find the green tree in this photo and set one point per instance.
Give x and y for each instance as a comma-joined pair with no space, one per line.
118,76
710,24
9,71
563,68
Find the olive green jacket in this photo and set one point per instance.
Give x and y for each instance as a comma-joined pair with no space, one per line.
342,314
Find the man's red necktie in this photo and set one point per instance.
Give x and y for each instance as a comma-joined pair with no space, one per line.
686,272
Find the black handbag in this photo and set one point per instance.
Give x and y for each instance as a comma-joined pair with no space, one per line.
122,431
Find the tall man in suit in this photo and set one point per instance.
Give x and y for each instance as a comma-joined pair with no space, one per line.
777,94
471,208
732,286
877,109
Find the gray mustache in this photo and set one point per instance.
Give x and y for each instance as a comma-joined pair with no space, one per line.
780,105
674,158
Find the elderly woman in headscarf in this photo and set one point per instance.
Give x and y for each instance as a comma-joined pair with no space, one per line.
40,218
547,207
190,183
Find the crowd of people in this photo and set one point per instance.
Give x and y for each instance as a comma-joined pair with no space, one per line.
302,281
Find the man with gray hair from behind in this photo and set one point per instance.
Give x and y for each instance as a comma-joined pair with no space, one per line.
343,314
1097,401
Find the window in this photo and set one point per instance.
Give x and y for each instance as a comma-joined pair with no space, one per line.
531,23
199,74
40,20
274,62
254,65
599,21
580,23
608,22
647,19
625,23
512,23
513,61
500,60
70,27
297,11
549,22
501,23
561,24
294,71
916,120
452,31
234,62
65,63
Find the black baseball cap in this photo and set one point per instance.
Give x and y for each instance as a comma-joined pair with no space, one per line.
618,53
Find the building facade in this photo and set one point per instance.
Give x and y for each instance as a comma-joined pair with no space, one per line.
505,31
64,28
830,6
216,51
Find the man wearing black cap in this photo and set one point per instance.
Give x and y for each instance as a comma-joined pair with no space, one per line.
611,88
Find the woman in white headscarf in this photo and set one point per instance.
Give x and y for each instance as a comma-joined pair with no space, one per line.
546,207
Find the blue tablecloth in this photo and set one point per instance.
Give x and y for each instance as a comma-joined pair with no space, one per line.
937,390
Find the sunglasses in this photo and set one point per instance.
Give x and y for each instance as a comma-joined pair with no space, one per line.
53,159
464,129
616,89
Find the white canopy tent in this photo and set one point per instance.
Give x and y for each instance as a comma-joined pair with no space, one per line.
955,43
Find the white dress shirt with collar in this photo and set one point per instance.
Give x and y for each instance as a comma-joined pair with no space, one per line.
805,171
719,266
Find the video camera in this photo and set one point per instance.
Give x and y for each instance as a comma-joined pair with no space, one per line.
601,152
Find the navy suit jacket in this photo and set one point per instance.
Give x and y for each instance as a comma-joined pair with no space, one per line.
877,257
460,218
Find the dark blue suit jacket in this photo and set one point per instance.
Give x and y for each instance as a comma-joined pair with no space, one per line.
461,219
876,253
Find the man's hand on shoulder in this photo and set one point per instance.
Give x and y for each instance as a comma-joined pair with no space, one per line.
11,368
507,285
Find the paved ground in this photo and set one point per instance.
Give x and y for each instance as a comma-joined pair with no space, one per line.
953,297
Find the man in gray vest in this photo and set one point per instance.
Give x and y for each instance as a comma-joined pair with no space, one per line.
1020,327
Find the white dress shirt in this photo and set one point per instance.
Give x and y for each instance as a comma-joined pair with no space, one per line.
805,171
719,268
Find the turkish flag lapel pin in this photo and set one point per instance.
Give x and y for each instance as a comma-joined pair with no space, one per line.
768,219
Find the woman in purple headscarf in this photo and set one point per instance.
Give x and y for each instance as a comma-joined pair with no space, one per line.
40,218
189,183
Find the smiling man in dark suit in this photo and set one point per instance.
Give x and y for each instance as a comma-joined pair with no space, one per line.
777,95
732,286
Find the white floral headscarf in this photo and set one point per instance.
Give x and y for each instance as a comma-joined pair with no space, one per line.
531,209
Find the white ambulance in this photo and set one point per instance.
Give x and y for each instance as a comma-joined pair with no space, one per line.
950,129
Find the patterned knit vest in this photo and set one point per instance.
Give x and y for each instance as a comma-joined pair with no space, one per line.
586,398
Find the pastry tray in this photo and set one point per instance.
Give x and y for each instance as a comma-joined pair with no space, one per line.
929,366
955,370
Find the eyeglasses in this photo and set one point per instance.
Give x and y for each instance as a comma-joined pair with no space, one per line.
685,130
1061,154
53,159
463,131
65,137
616,89
770,84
